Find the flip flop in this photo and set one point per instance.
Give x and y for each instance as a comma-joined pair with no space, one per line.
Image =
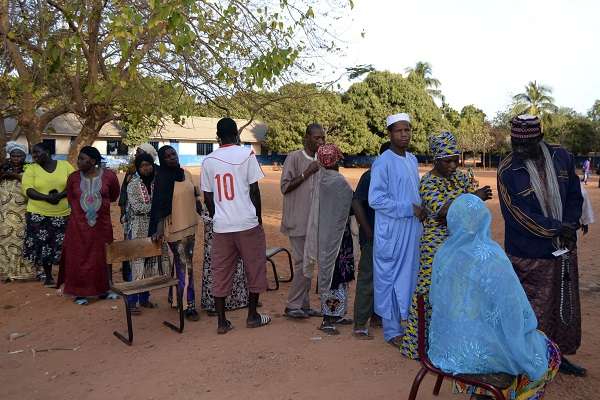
344,321
82,301
221,330
362,334
329,329
262,321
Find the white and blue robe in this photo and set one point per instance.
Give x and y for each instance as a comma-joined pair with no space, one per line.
393,191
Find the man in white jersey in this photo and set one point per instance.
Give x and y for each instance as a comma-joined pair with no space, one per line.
229,181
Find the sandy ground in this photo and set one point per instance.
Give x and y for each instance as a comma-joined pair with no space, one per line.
287,360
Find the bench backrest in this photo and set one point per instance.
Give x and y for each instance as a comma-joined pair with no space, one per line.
127,250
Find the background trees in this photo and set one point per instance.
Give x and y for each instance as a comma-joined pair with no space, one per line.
132,62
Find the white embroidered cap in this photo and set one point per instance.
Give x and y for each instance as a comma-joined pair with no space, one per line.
392,119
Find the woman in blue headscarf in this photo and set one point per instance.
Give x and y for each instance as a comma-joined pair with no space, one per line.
481,319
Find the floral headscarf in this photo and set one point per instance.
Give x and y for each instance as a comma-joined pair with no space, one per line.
443,145
329,155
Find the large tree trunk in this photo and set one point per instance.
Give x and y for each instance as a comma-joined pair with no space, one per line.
88,134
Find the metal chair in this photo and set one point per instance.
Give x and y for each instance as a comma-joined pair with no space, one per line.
128,250
493,383
272,252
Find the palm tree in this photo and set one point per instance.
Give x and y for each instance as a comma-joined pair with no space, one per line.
535,100
422,72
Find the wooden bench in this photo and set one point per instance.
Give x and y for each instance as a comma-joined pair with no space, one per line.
272,252
493,383
129,250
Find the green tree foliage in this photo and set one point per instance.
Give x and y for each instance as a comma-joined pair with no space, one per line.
303,104
94,57
577,133
421,74
594,112
385,93
535,100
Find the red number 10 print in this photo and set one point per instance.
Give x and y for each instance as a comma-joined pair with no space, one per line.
225,187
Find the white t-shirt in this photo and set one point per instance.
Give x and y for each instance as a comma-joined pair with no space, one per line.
228,173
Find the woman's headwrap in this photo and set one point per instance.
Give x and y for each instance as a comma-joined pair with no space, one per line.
329,155
147,180
12,146
149,149
443,145
92,152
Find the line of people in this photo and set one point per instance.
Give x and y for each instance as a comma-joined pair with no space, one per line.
491,304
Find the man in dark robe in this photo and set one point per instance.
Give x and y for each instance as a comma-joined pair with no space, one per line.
541,201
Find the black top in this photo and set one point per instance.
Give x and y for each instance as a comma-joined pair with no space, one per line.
362,194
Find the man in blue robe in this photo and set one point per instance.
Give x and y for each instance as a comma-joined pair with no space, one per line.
394,195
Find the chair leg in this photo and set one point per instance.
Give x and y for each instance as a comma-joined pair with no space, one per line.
274,274
179,328
416,383
438,385
290,263
129,324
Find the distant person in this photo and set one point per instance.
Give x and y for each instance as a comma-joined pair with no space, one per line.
44,183
90,190
365,217
229,181
13,206
139,205
174,218
541,202
329,239
394,195
587,170
481,321
587,212
438,189
297,185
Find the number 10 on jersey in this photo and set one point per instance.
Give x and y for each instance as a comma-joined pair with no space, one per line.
225,187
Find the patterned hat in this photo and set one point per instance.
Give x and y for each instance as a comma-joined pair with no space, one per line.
525,127
329,155
443,145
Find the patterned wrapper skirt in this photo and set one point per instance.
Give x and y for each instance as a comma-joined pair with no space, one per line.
522,388
44,238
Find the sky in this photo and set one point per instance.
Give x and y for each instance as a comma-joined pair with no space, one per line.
484,51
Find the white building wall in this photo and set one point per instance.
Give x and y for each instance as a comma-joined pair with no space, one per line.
101,145
187,148
62,144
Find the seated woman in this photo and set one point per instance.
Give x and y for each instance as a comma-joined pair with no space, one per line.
481,319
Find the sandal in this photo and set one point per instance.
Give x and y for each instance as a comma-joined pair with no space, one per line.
362,334
344,321
396,342
223,329
257,323
329,328
82,301
149,304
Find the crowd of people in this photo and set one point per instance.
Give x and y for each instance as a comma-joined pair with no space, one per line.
487,309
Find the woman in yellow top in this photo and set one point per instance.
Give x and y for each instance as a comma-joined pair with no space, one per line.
48,210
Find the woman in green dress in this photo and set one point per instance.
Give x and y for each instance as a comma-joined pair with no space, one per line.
438,188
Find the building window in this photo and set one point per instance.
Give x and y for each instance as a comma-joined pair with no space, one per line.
203,149
116,148
50,144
